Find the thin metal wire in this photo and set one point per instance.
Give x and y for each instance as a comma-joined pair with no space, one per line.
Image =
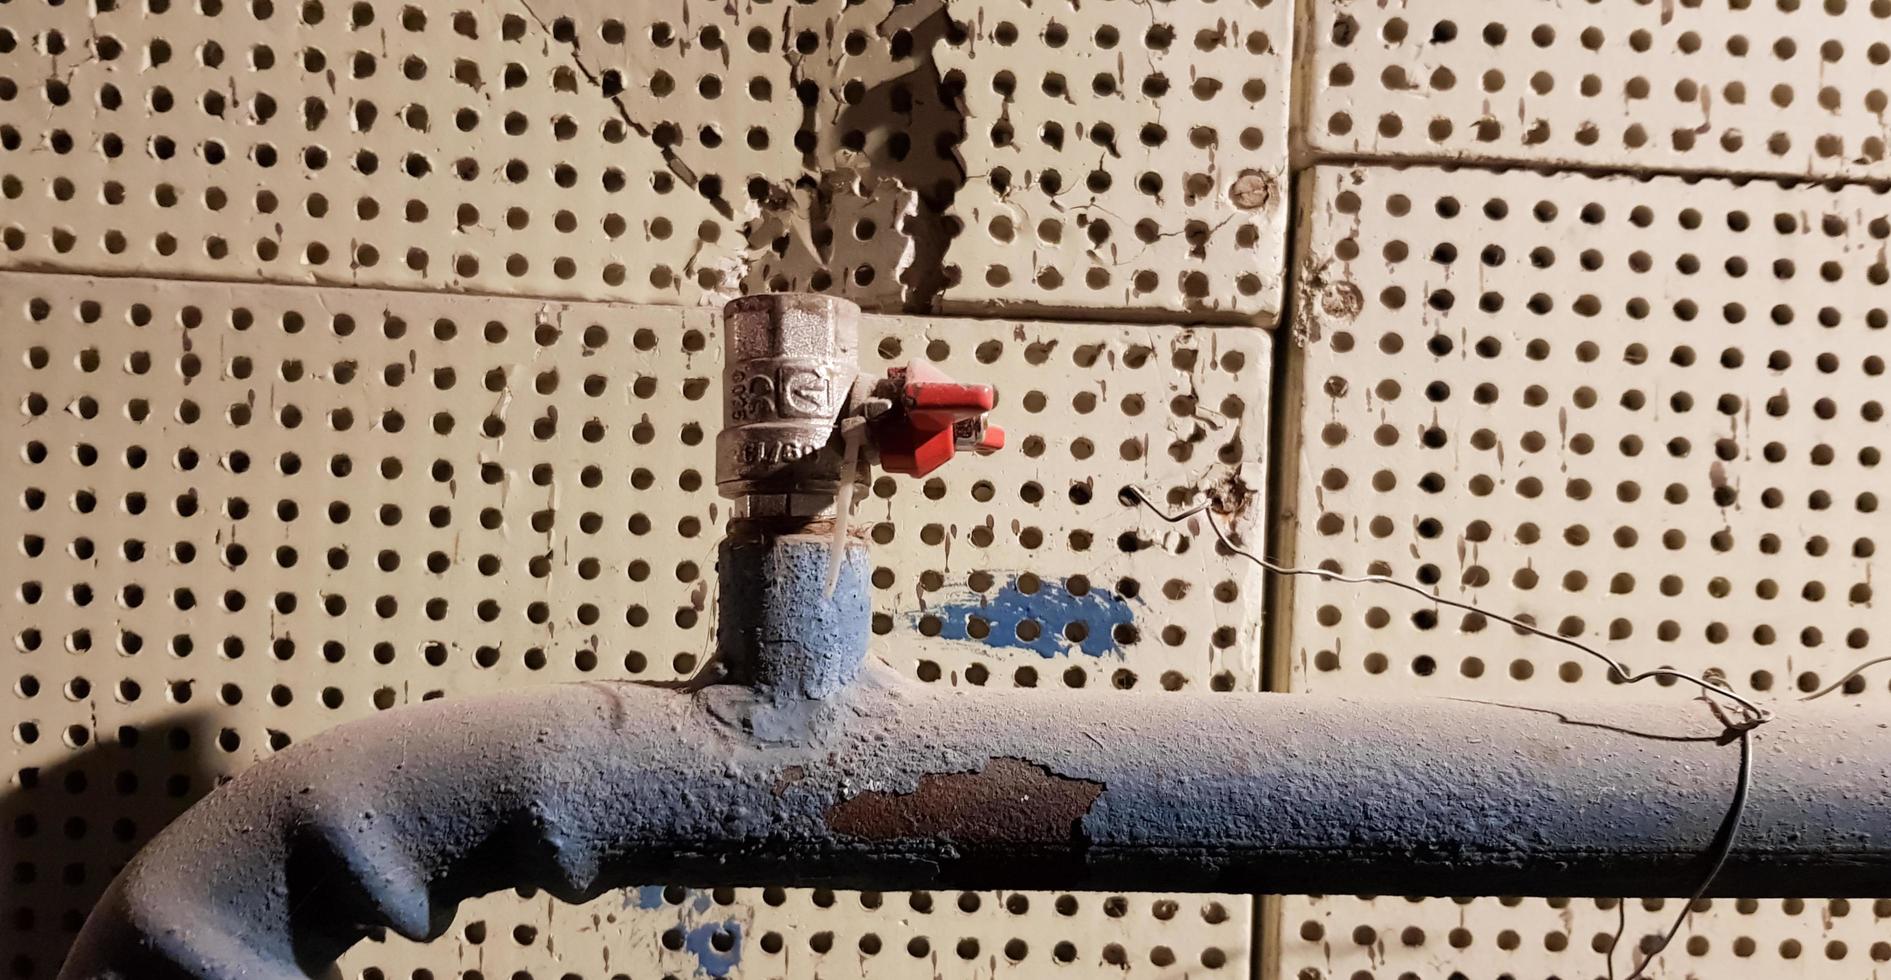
1722,847
1841,682
1755,713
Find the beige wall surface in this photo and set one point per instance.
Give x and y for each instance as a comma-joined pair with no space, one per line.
361,353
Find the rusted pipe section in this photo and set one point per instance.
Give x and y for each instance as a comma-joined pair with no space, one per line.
391,821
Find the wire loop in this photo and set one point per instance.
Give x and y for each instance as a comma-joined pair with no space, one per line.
1752,714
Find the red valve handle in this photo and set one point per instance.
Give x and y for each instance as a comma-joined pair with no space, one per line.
932,418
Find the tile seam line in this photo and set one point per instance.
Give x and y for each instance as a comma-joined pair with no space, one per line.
1021,312
1266,914
1321,158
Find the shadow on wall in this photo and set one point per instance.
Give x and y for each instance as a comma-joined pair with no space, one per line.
866,216
70,827
909,128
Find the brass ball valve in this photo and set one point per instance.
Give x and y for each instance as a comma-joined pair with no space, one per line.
802,428
793,398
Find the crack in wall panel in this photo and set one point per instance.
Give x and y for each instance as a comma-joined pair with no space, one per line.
552,148
809,238
546,149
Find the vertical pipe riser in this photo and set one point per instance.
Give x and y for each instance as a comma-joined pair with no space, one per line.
779,629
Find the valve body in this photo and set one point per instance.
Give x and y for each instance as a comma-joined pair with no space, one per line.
800,431
790,364
790,361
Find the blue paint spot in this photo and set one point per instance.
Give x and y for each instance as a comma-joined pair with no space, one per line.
702,902
700,941
1050,609
648,897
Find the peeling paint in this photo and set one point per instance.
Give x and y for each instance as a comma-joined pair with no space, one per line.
846,232
700,942
789,776
1008,802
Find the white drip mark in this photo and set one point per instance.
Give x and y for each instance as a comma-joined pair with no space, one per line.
851,437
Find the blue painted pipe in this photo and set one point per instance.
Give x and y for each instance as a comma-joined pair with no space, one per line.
779,629
391,821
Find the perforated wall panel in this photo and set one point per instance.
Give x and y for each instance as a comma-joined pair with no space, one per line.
242,514
1788,87
1642,413
679,153
777,933
1125,156
551,148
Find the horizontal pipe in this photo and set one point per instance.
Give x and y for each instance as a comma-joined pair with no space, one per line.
391,821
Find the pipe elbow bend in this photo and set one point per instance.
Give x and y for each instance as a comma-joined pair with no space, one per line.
389,822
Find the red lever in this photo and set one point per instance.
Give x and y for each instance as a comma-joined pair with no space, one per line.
932,418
